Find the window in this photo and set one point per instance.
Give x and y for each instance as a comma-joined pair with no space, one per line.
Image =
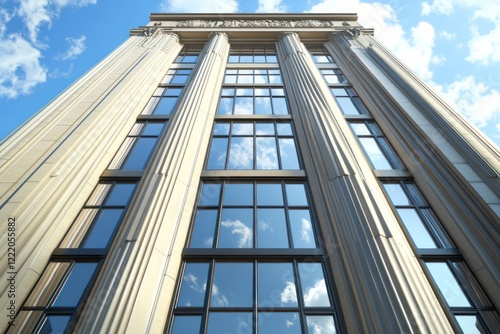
54,303
459,289
166,96
138,146
253,215
189,54
375,145
348,101
279,285
100,217
252,54
252,76
252,101
320,55
253,145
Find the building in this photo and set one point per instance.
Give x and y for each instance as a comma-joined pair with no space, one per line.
237,171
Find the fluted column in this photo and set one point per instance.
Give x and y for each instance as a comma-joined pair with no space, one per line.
379,281
50,166
134,291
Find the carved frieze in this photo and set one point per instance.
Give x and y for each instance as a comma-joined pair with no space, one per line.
254,24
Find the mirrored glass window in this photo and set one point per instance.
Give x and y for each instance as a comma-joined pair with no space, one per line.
254,215
252,54
253,145
252,101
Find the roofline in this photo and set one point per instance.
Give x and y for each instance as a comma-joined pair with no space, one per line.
240,16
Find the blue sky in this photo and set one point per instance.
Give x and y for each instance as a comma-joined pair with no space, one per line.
453,45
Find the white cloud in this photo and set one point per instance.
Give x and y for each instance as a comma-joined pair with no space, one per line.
36,13
76,47
478,102
196,6
271,6
240,230
415,51
305,231
447,35
288,295
483,48
437,6
20,67
316,295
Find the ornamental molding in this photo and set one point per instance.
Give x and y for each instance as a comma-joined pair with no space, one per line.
255,24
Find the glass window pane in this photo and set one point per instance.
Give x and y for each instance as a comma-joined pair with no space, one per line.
396,194
210,194
263,106
121,194
279,322
246,58
245,79
165,106
284,129
271,228
233,58
204,229
279,106
469,324
374,153
332,79
360,129
244,92
313,284
218,152
184,324
238,194
230,79
229,322
277,287
261,91
241,153
274,79
259,59
225,106
243,106
347,107
447,284
416,228
339,91
194,282
170,91
301,226
264,129
75,284
221,129
139,155
296,194
318,324
277,91
103,228
47,284
179,79
288,154
269,194
267,157
227,92
153,129
241,129
55,324
271,59
236,228
261,78
233,285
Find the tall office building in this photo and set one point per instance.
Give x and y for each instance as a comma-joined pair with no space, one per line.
249,173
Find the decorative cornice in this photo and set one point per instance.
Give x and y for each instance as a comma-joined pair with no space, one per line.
255,24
